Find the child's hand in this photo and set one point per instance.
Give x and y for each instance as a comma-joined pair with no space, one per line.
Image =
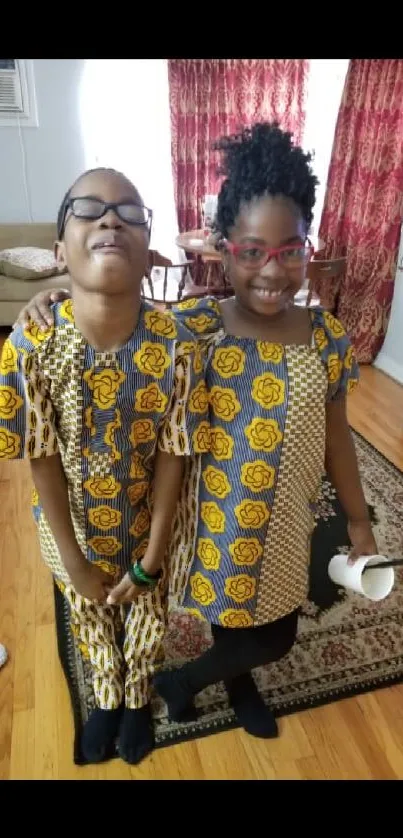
38,309
91,582
125,591
362,540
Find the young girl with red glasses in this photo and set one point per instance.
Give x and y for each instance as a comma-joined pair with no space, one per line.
277,376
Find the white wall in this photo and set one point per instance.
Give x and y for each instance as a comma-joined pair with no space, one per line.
390,358
53,152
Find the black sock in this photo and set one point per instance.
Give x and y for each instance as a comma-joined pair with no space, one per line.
99,734
136,736
249,707
235,652
189,714
169,685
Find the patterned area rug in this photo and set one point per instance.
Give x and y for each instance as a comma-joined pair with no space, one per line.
346,644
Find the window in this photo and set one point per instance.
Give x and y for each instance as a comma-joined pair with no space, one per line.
325,90
17,93
125,123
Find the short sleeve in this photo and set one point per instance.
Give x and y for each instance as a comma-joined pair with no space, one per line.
27,418
186,428
200,317
337,354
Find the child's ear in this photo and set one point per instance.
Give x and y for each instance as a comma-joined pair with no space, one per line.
60,255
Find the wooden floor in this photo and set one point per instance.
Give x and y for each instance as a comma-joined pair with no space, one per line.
360,738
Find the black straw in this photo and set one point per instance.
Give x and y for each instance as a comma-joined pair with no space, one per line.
391,563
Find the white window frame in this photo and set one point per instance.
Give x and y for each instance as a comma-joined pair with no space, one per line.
28,118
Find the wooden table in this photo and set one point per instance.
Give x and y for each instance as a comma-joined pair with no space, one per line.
196,242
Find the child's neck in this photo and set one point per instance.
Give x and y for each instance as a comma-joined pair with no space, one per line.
292,325
106,322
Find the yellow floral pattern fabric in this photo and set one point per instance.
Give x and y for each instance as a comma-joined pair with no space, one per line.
202,589
10,444
228,362
105,385
105,413
253,388
235,618
152,359
150,398
245,551
216,482
104,517
264,434
208,554
160,323
268,390
9,359
224,403
10,402
257,475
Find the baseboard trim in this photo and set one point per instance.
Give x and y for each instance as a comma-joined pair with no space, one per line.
392,368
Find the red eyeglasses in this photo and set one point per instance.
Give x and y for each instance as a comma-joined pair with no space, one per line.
292,256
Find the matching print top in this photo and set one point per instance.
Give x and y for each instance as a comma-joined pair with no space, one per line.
262,469
105,413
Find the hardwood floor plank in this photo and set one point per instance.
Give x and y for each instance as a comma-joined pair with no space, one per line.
22,757
47,673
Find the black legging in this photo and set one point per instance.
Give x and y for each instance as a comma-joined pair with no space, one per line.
237,651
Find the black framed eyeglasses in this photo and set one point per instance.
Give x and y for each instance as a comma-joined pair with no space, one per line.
90,209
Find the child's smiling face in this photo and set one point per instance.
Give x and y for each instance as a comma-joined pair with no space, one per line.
104,255
268,222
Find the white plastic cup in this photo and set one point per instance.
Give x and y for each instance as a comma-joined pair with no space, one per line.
374,584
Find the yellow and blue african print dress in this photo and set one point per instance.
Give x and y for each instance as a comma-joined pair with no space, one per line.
105,413
261,473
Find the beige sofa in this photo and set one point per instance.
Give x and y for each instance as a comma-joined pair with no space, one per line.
15,293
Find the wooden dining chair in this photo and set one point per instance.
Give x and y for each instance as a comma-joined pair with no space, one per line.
157,260
320,269
216,285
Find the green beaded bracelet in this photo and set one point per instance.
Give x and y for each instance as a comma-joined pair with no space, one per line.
139,576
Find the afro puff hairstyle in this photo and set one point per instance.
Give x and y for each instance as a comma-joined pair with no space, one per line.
259,161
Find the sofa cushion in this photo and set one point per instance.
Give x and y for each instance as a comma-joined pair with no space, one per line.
19,290
27,263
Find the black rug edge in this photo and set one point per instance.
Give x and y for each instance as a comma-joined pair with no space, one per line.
327,697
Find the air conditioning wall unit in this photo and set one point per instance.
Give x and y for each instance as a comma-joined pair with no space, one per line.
17,93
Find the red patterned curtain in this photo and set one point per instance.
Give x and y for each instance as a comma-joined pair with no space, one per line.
364,200
213,97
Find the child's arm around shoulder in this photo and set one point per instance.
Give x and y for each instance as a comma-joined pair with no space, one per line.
201,317
39,309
